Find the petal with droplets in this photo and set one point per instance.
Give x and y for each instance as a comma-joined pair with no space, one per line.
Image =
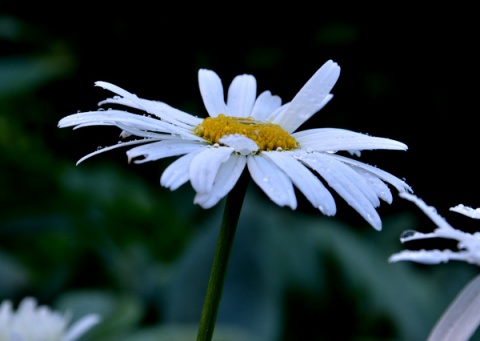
265,105
211,89
241,144
226,178
311,97
348,184
305,181
162,149
205,165
177,173
241,95
332,139
272,180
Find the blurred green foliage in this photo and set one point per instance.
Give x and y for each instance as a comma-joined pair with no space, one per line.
101,238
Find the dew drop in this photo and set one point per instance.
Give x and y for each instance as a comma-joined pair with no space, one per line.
99,148
408,234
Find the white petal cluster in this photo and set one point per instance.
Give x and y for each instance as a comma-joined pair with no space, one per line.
32,322
468,244
213,169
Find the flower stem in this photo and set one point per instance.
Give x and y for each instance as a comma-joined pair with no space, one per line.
226,236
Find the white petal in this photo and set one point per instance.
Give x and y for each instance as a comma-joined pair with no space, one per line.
350,185
400,185
162,149
467,211
165,112
123,120
241,144
410,235
177,173
110,117
426,256
205,165
162,110
332,139
265,105
118,145
277,112
241,95
225,180
211,89
305,180
272,180
311,97
375,183
128,130
431,212
81,327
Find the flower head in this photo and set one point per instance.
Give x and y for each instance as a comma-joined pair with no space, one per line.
32,322
468,244
257,133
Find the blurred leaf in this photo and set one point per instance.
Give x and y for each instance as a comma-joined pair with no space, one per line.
186,332
409,298
13,274
21,74
264,260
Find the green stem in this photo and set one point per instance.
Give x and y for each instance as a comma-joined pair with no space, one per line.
226,236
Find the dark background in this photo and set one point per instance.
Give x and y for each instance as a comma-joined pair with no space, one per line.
407,74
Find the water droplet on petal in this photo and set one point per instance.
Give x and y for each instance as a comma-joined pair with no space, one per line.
408,234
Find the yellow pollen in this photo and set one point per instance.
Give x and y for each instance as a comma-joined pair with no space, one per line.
268,136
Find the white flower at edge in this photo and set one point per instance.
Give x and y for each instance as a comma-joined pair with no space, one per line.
258,133
468,244
32,322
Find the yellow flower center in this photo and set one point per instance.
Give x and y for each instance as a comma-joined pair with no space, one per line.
268,136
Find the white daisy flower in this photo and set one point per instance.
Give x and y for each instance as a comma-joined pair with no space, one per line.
32,322
468,244
258,133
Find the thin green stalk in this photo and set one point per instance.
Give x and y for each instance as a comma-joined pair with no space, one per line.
226,236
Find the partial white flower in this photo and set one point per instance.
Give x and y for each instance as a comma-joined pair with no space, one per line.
468,211
32,322
258,133
468,244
